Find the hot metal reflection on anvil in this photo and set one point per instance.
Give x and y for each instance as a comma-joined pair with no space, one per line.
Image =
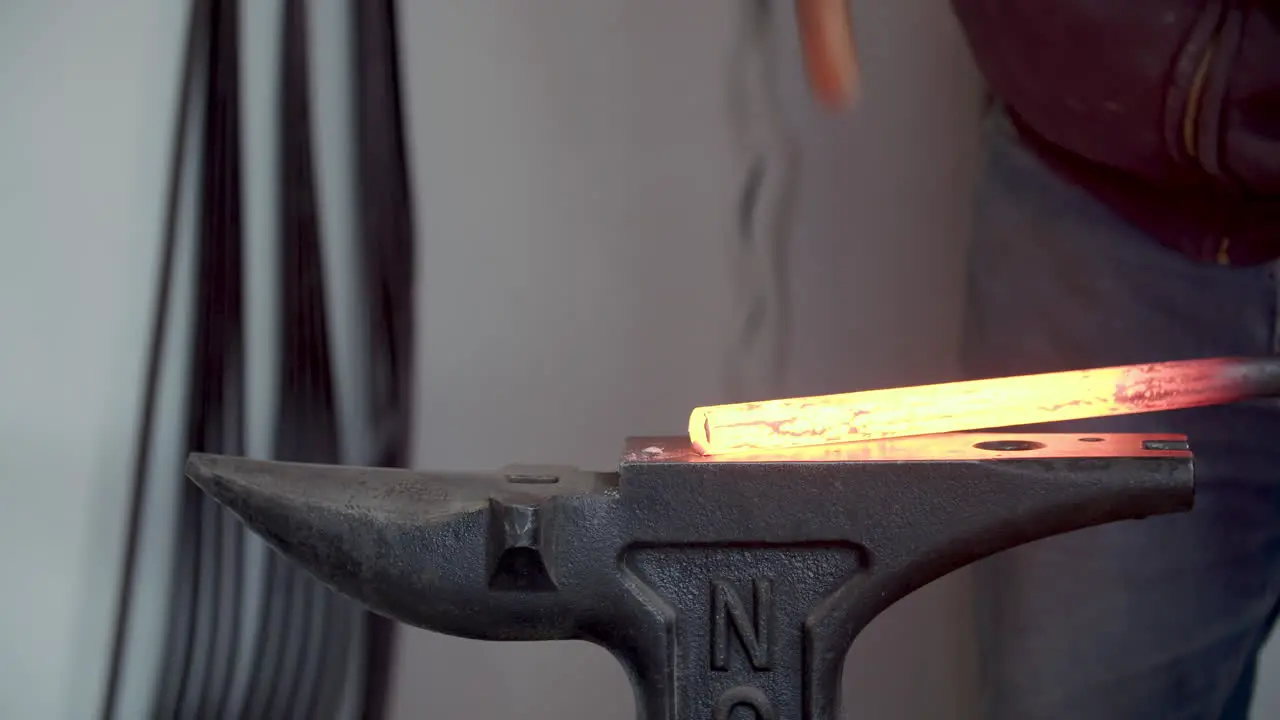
722,583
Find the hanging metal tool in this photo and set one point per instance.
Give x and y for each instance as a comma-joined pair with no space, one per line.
289,651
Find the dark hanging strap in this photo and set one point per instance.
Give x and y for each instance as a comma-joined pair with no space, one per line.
194,60
386,223
307,424
299,656
228,535
386,243
205,609
306,429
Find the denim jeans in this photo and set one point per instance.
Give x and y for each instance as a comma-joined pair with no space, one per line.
1159,618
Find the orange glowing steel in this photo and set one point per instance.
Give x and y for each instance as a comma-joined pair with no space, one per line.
977,404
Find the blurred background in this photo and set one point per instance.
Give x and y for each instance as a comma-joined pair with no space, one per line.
575,181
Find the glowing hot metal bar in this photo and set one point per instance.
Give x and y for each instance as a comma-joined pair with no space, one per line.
980,404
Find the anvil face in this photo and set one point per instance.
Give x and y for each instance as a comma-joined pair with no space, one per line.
720,582
928,448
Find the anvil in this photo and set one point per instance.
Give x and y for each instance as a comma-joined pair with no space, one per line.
728,586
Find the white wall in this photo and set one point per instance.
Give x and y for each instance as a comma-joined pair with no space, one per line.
573,194
574,189
83,152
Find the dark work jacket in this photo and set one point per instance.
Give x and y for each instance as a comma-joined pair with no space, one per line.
1166,110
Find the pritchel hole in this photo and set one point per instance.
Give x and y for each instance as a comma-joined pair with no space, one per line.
1009,445
1165,445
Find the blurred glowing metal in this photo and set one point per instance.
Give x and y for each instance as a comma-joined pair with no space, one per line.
979,404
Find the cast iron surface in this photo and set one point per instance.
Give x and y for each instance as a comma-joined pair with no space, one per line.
721,583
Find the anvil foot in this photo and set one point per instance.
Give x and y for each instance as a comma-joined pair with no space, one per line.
723,584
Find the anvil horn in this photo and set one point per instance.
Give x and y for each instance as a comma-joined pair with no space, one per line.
401,542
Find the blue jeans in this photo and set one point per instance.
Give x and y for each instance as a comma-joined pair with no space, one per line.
1159,618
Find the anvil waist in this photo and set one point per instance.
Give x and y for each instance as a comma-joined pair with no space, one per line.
1210,223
